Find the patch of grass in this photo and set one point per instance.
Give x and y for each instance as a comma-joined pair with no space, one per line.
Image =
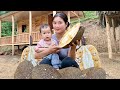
88,15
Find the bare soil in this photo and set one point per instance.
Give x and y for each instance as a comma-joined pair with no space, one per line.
111,66
8,65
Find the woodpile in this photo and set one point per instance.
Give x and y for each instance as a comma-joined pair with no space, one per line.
25,70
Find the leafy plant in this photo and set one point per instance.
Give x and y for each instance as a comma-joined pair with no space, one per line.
3,12
6,29
88,15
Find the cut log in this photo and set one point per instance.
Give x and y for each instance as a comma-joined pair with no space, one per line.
71,73
24,70
45,71
94,73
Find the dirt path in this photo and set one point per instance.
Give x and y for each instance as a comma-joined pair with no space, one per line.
8,65
111,66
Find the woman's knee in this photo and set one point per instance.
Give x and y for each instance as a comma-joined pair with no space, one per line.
46,61
69,62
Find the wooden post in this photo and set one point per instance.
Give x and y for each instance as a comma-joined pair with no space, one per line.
68,14
76,15
30,24
54,12
0,28
114,35
108,36
13,27
118,37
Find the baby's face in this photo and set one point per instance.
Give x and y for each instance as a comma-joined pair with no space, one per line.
46,34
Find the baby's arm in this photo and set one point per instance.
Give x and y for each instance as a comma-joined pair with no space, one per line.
39,49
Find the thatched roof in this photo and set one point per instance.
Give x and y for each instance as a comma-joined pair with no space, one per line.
115,15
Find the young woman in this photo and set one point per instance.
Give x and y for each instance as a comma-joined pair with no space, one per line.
67,55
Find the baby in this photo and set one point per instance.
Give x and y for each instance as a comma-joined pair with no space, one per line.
45,42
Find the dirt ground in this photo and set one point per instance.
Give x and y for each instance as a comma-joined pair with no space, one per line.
8,65
111,66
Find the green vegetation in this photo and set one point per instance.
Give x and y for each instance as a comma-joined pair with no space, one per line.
88,15
6,29
3,12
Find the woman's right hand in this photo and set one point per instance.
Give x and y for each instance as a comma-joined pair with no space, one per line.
54,49
50,50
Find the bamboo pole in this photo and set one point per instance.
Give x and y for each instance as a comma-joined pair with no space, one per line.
75,14
13,27
0,28
68,14
30,25
108,36
54,12
114,35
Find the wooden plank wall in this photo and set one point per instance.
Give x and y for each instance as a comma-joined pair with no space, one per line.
36,21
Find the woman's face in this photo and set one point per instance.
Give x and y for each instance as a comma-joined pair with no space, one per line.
59,25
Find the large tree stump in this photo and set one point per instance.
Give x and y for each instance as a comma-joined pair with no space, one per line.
45,71
94,73
24,70
71,73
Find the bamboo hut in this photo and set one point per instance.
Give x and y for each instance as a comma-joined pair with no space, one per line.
110,19
28,23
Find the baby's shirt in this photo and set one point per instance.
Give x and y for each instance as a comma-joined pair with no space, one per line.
43,44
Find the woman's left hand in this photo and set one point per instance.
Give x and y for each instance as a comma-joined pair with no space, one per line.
75,44
73,49
78,42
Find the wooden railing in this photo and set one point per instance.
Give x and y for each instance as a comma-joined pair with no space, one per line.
20,38
5,40
36,36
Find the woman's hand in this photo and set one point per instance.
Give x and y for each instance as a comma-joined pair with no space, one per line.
73,49
54,49
73,46
47,51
